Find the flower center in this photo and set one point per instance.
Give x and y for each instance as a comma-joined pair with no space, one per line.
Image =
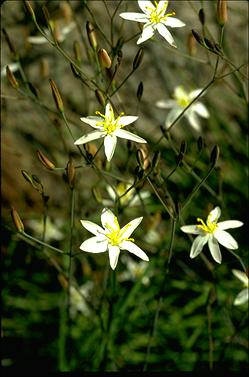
210,227
181,97
109,124
157,15
116,235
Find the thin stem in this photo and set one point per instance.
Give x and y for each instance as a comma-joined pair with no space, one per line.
42,243
172,237
239,259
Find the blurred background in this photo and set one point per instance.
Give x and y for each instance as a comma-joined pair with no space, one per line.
198,326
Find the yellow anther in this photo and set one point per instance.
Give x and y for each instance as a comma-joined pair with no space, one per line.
116,235
207,228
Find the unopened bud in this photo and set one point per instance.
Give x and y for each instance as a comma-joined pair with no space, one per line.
10,44
91,35
218,48
200,143
75,71
140,90
191,44
44,68
70,171
27,176
96,194
29,9
209,44
57,96
140,158
214,156
63,281
198,37
104,58
45,161
222,12
11,77
202,16
32,89
66,11
100,97
138,59
77,53
17,220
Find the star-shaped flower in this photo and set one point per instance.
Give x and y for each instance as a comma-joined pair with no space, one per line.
212,233
109,128
154,18
181,100
243,296
111,237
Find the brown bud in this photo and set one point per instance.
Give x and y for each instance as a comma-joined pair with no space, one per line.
100,97
62,279
138,59
198,37
29,9
209,44
44,68
10,44
45,161
66,11
17,220
75,71
202,16
70,171
140,90
11,77
104,58
57,96
222,12
76,50
191,44
145,156
214,156
91,35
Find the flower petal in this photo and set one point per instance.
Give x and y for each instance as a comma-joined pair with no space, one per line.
109,113
110,142
166,104
241,275
111,192
229,224
114,252
172,115
132,16
242,297
214,249
146,6
37,40
165,34
94,245
193,119
214,215
225,239
108,218
125,120
130,227
147,33
174,22
195,93
90,137
192,229
200,109
129,136
162,6
134,249
92,121
197,245
92,227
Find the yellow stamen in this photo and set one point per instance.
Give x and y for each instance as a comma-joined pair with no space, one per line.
157,16
116,235
210,227
110,124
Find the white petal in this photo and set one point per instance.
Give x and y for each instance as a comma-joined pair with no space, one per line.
92,121
225,239
125,120
229,224
214,249
242,297
172,115
67,29
165,34
131,226
192,229
90,137
129,136
94,245
214,215
114,252
134,249
193,119
37,40
107,218
241,275
163,5
165,104
111,192
110,142
132,16
197,245
174,22
92,227
109,111
200,109
147,33
146,6
195,93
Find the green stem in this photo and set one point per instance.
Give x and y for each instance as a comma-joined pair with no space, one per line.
42,243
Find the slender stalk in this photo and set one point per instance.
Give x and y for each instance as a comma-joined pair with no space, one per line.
36,240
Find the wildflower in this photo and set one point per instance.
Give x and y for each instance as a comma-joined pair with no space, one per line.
155,18
111,237
61,33
109,128
181,100
212,233
130,198
243,296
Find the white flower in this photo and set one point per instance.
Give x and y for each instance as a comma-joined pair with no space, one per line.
52,229
181,100
212,233
130,198
60,33
78,298
155,18
111,237
243,296
109,128
134,271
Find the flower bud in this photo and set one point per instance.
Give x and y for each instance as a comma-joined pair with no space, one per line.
209,44
45,161
140,90
29,9
10,44
104,58
222,12
57,96
198,37
191,44
27,176
100,97
66,11
77,53
202,16
91,35
17,220
138,59
70,171
214,156
74,70
11,77
96,194
44,68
